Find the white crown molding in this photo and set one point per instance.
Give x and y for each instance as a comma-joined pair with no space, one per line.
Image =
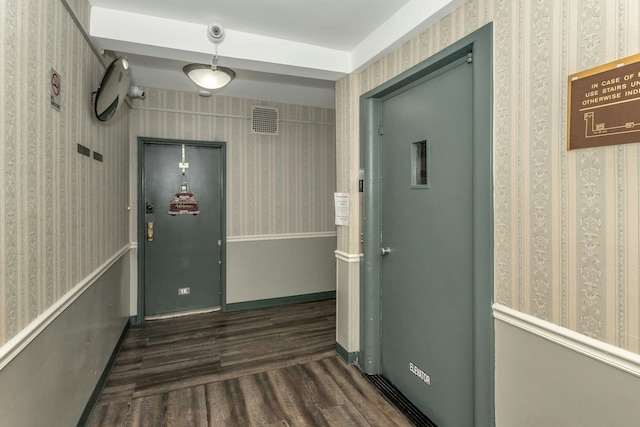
16,344
611,355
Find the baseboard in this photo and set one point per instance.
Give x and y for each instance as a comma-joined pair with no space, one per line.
95,396
272,302
349,358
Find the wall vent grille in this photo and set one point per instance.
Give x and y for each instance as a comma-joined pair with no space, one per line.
264,120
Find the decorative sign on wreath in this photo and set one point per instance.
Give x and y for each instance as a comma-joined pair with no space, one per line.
184,202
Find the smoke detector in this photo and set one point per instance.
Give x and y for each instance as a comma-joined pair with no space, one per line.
215,33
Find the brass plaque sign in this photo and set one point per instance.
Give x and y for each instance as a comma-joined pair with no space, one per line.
604,105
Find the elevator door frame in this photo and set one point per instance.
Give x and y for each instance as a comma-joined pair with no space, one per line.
479,44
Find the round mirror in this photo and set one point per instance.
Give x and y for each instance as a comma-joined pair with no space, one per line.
112,89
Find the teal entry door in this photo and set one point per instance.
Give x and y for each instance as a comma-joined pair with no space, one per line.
427,237
182,249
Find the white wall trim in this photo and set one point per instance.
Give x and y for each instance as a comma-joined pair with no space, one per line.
611,355
343,256
133,245
259,237
15,345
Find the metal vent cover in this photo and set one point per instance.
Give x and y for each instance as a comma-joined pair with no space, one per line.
264,120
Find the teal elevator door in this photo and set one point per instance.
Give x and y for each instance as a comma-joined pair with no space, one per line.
182,260
427,304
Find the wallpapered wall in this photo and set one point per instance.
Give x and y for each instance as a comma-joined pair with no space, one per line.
61,214
275,184
566,223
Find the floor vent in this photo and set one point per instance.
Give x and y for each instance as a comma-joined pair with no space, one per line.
264,120
402,403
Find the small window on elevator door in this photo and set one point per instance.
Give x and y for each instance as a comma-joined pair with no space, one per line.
420,164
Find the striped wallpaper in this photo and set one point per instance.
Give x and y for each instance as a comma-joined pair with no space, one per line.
567,235
567,224
62,215
275,184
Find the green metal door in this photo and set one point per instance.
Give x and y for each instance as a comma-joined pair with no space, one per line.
182,251
427,237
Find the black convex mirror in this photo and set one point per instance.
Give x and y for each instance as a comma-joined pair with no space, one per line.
112,89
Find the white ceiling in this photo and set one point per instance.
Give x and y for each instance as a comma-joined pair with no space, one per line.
282,50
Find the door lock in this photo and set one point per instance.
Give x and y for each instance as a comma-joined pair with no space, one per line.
385,251
150,231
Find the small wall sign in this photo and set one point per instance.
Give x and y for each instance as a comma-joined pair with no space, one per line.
341,208
604,105
56,86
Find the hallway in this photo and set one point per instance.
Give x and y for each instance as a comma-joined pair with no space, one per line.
264,367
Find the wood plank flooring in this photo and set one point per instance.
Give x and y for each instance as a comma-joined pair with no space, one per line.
264,368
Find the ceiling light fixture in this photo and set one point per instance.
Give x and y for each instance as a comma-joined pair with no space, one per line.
211,77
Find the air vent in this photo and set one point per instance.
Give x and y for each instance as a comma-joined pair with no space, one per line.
264,120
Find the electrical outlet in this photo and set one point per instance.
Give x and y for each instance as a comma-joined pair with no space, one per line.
184,291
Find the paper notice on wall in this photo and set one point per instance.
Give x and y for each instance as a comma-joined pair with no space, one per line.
342,208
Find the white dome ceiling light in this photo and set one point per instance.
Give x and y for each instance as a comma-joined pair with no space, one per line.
211,77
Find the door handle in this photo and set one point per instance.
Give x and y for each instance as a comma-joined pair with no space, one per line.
385,251
150,231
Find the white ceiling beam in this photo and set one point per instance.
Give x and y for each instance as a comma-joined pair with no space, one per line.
150,36
184,41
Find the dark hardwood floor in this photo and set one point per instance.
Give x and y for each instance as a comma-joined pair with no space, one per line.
265,367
